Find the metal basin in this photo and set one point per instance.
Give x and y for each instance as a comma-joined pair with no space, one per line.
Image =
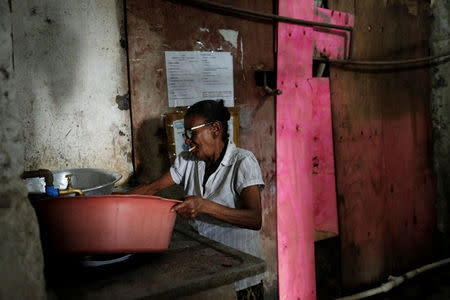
90,181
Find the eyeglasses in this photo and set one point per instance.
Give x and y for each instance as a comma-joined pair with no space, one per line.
188,132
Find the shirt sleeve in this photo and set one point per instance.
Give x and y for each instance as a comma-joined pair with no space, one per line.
248,173
178,169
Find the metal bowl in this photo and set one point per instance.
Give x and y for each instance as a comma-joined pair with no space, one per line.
90,181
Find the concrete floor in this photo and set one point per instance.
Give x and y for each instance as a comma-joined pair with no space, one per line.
433,284
429,285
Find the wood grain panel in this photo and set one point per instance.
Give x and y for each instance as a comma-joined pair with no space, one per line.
323,175
294,164
382,145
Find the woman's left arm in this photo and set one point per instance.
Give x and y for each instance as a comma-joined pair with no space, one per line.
248,216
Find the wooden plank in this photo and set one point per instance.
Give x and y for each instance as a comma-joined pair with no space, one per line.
332,43
382,146
321,143
294,168
306,195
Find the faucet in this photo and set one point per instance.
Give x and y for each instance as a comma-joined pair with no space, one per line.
69,189
49,188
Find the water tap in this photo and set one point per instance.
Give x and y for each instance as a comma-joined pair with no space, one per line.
69,189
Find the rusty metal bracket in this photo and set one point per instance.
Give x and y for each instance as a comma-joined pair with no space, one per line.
266,79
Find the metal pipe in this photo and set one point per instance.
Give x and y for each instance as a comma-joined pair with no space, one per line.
265,16
412,61
46,174
394,281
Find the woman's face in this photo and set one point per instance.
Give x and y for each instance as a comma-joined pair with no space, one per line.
203,138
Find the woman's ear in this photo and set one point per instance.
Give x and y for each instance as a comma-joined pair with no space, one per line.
217,128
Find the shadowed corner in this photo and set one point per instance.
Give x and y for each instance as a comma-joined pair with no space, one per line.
152,160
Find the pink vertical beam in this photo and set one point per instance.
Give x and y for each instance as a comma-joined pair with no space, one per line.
295,224
305,191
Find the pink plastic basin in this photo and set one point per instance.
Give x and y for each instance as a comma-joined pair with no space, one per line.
106,224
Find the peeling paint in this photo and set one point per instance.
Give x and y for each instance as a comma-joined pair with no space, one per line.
123,44
5,73
325,18
242,57
123,101
200,45
230,36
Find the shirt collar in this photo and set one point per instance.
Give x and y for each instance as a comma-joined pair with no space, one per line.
226,161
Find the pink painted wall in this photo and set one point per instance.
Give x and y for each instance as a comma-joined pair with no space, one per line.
306,195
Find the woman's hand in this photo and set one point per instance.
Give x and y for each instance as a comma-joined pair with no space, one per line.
248,216
191,207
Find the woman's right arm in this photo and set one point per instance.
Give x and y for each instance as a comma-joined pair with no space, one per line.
152,188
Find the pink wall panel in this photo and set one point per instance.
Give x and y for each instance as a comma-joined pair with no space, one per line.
323,176
306,195
294,168
332,43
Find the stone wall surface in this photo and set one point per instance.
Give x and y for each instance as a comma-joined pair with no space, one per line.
72,86
21,260
64,104
440,111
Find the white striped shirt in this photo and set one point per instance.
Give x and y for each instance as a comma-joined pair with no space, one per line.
238,170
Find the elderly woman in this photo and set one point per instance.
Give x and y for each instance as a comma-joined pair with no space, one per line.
222,184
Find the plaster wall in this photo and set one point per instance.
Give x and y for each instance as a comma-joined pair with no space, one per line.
72,84
440,111
21,261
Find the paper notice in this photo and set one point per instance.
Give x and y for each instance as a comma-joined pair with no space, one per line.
199,75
